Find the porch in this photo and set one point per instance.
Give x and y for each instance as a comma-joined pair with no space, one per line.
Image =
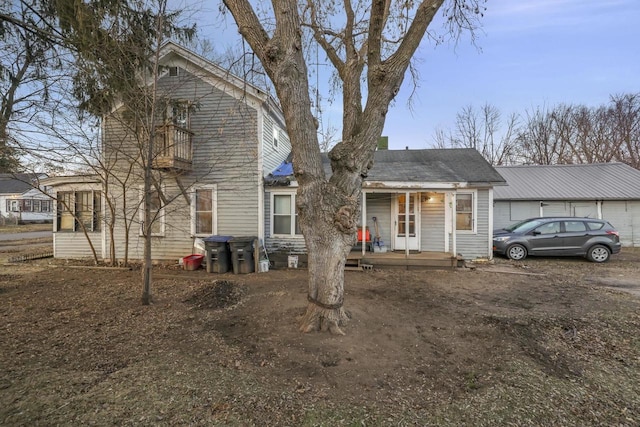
357,260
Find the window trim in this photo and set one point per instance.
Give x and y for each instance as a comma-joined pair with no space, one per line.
96,211
161,214
214,209
294,215
474,211
276,138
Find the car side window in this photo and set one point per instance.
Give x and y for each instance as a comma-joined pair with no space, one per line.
574,226
549,228
595,225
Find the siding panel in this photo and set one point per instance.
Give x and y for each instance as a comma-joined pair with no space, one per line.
472,246
432,236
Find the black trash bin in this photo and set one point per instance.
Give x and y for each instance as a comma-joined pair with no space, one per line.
242,254
217,254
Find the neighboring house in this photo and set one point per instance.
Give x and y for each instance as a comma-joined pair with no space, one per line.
608,191
24,199
435,200
216,139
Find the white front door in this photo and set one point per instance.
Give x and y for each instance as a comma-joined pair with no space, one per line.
407,223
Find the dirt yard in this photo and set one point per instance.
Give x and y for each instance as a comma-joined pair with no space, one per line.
543,342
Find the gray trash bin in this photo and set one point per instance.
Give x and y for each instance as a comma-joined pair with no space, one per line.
217,254
242,254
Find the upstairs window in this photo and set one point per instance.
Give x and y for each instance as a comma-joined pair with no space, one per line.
276,137
180,114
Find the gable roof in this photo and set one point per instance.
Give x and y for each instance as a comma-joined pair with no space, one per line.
450,165
445,166
17,183
172,53
599,181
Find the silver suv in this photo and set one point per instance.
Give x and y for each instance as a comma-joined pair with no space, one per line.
594,239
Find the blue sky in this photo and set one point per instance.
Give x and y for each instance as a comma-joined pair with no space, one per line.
528,54
531,53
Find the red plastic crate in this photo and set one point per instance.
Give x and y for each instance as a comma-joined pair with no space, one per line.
192,262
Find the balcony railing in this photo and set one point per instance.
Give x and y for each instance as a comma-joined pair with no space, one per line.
173,148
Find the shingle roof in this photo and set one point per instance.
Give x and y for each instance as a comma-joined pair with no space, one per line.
601,181
433,165
15,183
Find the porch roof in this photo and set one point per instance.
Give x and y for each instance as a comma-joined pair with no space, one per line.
436,168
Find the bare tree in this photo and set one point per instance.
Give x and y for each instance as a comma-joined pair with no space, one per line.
371,42
625,112
484,131
29,61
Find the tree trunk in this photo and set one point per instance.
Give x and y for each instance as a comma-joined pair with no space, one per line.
328,221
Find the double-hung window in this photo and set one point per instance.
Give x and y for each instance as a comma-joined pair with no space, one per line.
284,218
156,211
465,212
203,211
78,210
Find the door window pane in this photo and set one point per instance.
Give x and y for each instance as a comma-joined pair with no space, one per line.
402,217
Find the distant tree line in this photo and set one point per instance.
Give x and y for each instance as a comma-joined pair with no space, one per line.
562,134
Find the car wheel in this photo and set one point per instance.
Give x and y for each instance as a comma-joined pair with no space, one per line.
598,253
516,252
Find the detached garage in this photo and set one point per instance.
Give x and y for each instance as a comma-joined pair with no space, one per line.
609,191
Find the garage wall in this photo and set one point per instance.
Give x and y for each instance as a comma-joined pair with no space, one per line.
625,217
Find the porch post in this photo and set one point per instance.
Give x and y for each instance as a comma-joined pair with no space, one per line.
364,222
406,223
454,217
599,208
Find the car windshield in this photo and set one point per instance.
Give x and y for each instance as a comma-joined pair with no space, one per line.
524,225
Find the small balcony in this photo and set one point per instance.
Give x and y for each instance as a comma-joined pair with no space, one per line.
173,148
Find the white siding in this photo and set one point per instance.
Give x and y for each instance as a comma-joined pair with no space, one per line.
476,245
432,233
69,245
379,205
625,217
273,157
225,153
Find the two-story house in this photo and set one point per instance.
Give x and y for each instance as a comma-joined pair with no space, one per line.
215,138
219,163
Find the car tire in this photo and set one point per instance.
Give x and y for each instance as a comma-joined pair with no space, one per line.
598,253
516,252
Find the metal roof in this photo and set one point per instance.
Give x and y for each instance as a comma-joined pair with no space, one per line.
463,165
599,181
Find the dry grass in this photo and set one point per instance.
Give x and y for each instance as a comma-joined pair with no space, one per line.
438,348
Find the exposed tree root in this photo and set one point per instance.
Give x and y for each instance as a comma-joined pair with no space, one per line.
323,320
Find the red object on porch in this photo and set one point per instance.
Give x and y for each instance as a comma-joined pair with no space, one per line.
192,262
367,235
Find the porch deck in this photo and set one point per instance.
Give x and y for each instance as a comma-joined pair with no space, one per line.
400,260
